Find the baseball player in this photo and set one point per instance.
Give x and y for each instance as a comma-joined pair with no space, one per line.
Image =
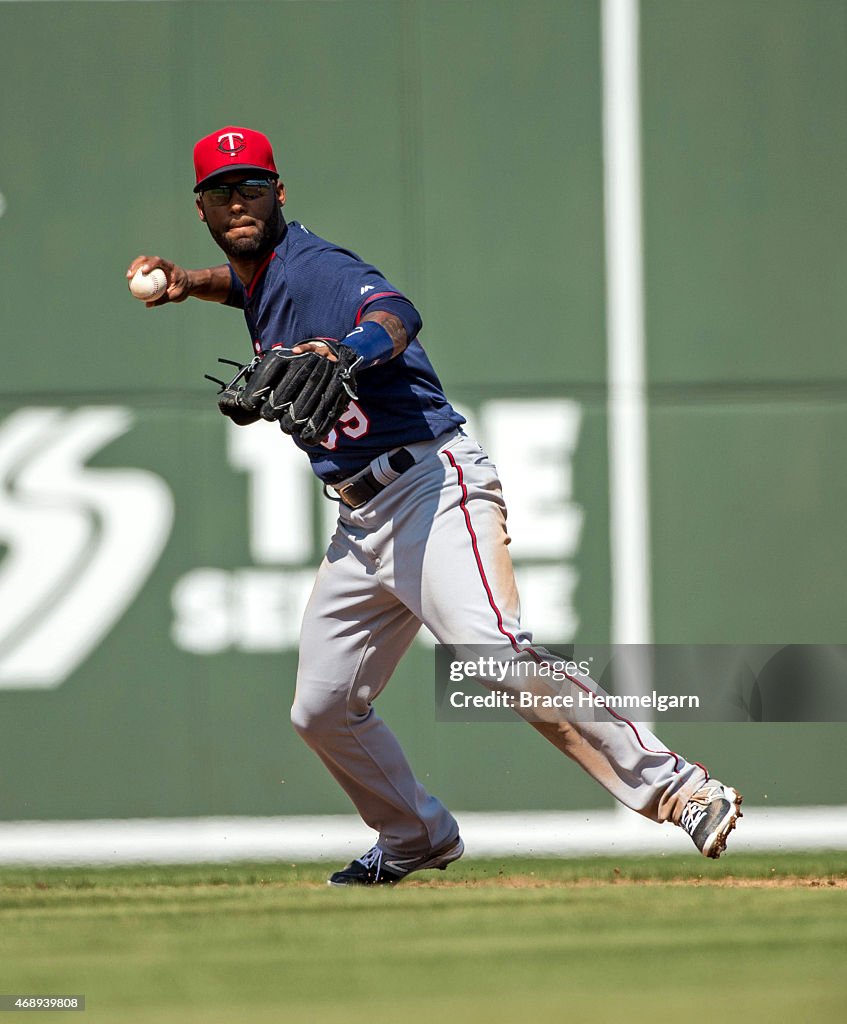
421,533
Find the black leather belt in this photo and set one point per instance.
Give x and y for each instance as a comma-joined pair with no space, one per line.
366,486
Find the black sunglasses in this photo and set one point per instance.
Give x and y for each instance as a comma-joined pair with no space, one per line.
250,189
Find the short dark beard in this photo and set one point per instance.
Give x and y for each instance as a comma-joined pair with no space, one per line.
248,248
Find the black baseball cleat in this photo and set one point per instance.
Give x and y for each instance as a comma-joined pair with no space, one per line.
375,868
710,815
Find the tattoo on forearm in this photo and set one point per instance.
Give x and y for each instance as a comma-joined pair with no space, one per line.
392,324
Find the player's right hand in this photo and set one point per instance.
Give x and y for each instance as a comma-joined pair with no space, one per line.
179,279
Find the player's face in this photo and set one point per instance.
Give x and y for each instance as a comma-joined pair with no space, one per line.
245,228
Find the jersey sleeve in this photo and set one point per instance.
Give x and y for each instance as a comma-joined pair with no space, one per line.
399,305
236,291
333,287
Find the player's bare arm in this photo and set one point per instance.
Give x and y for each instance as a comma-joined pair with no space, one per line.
210,283
391,323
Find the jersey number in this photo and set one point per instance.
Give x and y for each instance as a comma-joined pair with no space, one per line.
354,423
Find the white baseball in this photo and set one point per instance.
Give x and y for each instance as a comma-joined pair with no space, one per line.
149,286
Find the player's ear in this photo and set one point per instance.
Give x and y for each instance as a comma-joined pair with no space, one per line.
280,192
198,202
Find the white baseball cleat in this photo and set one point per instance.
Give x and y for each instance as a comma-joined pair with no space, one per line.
376,868
710,815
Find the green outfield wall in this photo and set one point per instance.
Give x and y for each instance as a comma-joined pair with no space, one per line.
154,561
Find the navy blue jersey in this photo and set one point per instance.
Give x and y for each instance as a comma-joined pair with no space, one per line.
310,288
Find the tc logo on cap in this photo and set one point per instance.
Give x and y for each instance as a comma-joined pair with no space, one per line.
232,148
231,143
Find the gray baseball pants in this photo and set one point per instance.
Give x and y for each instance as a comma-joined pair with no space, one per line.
432,548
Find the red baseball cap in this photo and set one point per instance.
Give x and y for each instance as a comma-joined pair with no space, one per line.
232,149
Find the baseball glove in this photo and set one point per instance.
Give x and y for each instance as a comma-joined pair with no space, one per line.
307,393
229,393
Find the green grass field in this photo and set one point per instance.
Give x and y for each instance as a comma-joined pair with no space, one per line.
749,938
